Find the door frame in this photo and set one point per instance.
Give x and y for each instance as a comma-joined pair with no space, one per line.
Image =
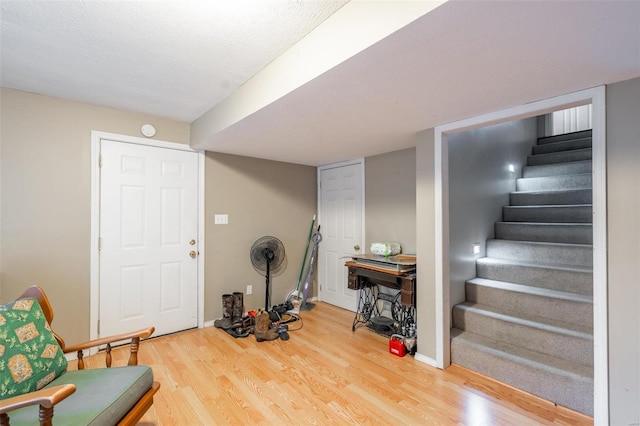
94,290
597,98
320,169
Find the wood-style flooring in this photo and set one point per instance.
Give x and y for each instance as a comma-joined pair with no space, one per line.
325,374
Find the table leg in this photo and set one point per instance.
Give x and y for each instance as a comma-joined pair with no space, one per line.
366,305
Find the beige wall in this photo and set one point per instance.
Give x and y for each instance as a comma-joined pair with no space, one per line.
261,198
45,216
426,243
390,199
623,227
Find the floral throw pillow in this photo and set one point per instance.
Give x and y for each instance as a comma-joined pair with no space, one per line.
30,356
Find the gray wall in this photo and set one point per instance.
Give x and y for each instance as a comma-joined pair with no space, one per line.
479,186
390,199
623,227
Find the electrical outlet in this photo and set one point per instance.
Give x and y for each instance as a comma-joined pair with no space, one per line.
249,289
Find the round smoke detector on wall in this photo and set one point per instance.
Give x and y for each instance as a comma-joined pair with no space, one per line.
148,130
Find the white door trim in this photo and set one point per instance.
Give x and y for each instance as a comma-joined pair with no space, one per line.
94,278
357,161
595,96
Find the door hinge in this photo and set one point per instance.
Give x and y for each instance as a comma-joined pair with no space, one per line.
99,243
98,328
100,160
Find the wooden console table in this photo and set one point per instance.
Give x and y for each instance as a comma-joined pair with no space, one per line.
366,273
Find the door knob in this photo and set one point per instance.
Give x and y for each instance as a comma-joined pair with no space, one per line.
193,254
356,247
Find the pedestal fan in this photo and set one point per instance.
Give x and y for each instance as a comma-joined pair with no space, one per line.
267,255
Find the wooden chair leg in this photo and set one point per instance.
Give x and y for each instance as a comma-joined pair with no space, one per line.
46,414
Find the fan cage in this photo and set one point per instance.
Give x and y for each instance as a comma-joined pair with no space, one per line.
264,248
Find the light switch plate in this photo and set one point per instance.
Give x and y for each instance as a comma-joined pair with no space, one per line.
221,219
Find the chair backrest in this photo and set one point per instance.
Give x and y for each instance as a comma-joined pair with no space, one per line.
38,293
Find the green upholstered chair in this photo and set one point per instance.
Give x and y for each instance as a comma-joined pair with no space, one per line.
35,385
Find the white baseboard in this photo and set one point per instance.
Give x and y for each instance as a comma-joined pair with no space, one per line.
426,360
208,324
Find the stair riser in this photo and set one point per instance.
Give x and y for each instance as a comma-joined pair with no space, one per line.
562,146
559,157
547,341
576,196
568,390
570,311
553,183
551,233
543,214
555,279
577,255
565,137
559,169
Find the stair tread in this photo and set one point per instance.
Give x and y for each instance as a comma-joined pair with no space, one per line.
545,231
556,169
560,153
580,134
560,157
572,181
554,326
568,268
548,191
562,146
558,177
548,206
514,223
537,291
567,140
548,197
525,356
542,243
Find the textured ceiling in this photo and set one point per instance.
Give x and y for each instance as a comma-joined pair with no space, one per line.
169,58
463,59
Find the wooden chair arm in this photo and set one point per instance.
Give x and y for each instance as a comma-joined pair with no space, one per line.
144,333
135,337
45,397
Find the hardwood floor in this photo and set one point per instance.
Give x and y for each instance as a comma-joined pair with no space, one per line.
324,374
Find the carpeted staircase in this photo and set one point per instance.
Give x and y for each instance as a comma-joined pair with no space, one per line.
528,316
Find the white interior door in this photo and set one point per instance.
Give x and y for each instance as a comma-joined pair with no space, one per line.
341,220
148,238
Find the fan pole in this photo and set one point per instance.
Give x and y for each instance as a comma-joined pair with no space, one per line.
267,282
